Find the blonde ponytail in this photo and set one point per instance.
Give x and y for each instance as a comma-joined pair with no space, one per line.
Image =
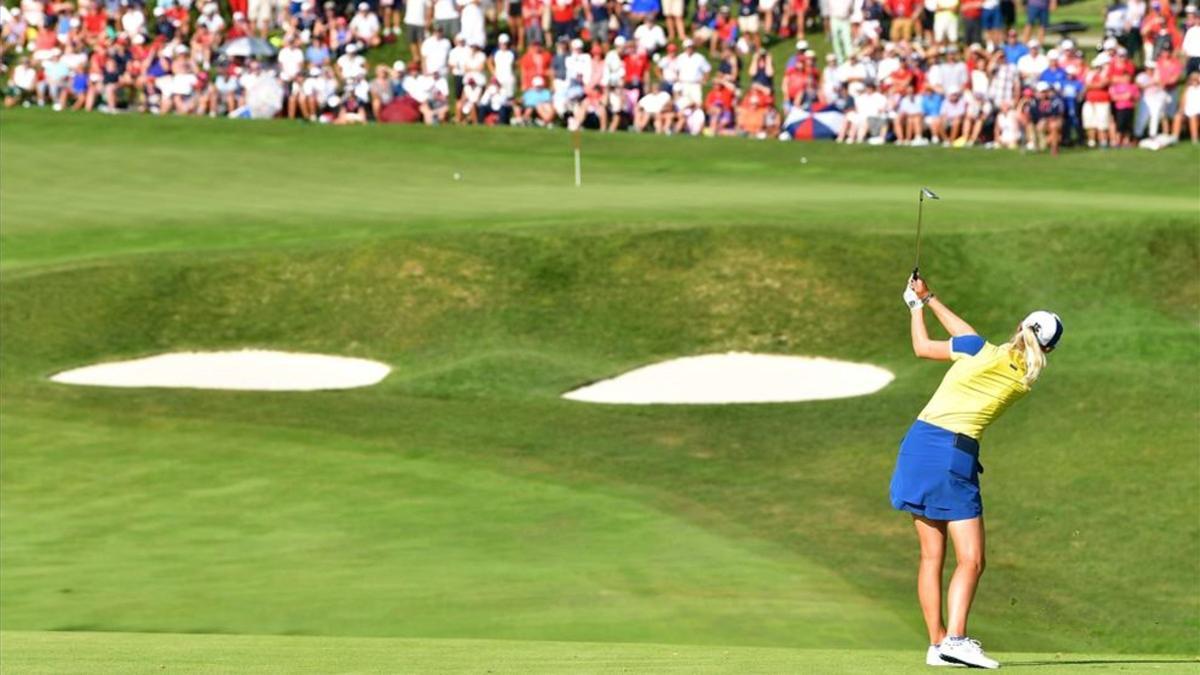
1025,344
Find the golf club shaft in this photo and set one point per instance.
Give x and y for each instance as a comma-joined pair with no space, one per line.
920,211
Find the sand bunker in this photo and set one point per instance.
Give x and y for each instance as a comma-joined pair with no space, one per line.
737,378
244,370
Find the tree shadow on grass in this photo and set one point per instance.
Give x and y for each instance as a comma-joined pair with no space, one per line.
1096,662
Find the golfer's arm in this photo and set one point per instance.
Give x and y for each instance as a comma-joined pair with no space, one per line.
949,320
923,347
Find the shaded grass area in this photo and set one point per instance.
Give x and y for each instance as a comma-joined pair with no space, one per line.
33,652
463,498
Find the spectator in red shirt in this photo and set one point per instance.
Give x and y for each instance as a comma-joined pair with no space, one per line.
535,63
971,12
637,64
563,18
718,106
1097,107
94,20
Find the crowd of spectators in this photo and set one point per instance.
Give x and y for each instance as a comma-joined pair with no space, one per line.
914,72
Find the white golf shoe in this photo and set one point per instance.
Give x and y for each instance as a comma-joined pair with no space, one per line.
933,658
966,651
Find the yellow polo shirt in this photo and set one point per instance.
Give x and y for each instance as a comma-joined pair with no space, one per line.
982,383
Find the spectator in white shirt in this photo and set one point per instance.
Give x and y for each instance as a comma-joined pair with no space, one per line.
473,25
870,108
1032,64
365,26
955,76
456,62
435,51
1191,41
693,72
578,63
502,66
351,64
650,36
291,60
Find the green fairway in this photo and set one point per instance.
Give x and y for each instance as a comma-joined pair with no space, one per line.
463,499
143,653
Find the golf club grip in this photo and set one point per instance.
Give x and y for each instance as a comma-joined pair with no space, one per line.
916,273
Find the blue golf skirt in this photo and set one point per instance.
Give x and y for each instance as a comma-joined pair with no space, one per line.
937,474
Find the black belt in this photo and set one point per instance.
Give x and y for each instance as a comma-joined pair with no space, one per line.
966,444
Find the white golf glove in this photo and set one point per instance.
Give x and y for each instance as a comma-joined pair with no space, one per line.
912,299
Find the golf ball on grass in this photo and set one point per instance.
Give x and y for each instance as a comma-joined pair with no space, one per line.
457,176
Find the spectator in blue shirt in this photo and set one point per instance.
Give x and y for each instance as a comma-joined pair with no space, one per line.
1013,49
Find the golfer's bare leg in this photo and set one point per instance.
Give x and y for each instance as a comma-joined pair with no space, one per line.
932,535
967,536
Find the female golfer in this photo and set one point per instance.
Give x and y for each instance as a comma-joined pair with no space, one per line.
937,471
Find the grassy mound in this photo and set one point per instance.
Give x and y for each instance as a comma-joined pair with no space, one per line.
462,498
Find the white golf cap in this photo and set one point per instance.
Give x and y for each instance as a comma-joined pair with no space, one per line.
1046,326
576,44
351,48
503,38
1042,86
619,41
801,45
688,44
539,81
362,7
398,65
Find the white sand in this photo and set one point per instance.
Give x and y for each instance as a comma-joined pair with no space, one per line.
245,370
737,378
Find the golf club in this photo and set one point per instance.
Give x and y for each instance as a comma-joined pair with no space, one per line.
925,192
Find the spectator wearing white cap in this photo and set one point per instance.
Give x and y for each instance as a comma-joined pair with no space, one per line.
666,65
364,26
1097,104
351,64
456,62
578,64
537,105
614,64
693,73
502,66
